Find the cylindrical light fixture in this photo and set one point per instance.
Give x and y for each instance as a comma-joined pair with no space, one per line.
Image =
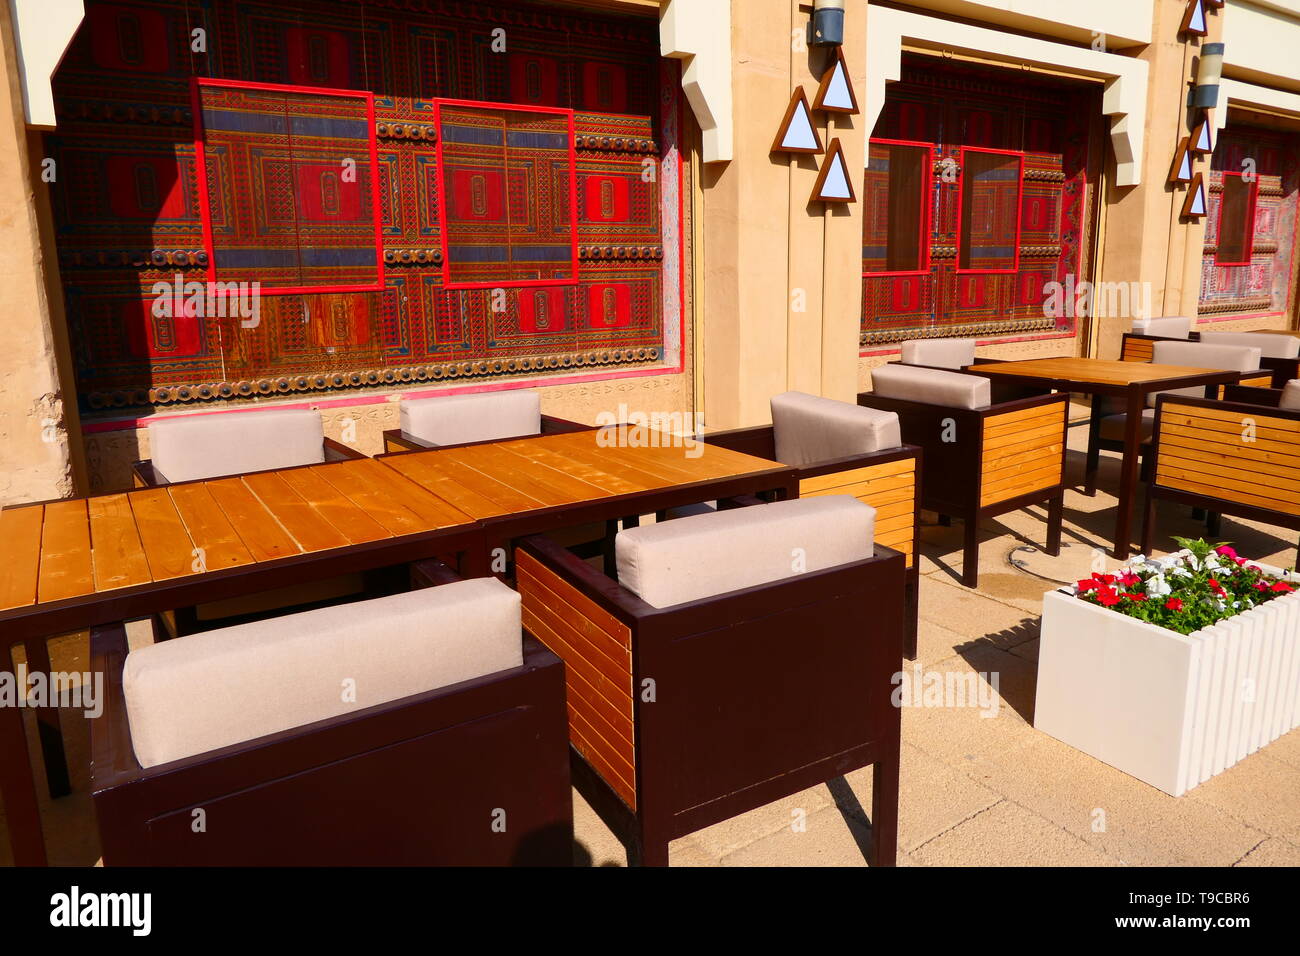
827,23
1205,95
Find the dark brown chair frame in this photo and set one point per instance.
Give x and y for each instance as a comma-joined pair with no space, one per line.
685,716
1248,403
760,441
410,782
953,481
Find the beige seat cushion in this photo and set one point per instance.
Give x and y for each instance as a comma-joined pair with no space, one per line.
1166,327
1112,426
809,430
702,556
933,386
195,694
1201,355
234,443
1275,345
939,353
488,416
1291,395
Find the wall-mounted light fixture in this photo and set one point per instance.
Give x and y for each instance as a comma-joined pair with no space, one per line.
827,27
1205,94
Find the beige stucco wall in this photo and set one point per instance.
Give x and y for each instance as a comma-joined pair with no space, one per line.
35,459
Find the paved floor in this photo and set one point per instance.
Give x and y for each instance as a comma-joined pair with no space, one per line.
976,790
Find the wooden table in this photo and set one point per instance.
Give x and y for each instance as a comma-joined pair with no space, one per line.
75,564
1131,382
530,485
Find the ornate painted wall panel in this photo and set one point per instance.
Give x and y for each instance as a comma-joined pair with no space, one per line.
1264,282
997,285
463,241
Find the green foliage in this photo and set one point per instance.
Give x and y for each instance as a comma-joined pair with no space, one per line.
1184,594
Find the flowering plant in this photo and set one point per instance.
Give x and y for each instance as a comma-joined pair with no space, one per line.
1187,592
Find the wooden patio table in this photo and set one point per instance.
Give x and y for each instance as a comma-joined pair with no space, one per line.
1130,382
546,482
73,564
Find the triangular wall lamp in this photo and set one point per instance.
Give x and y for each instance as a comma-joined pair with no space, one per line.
835,95
797,133
833,182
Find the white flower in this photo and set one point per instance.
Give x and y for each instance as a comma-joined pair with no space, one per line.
1158,586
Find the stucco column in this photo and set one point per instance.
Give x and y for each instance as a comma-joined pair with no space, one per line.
1145,238
35,458
782,280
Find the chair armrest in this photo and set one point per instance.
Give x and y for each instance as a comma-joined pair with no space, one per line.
112,756
145,475
337,451
759,441
556,426
430,573
605,591
397,440
879,457
1251,395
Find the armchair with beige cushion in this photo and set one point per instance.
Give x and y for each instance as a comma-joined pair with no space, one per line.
447,420
1280,353
392,731
215,444
838,448
1107,427
953,354
1200,458
982,458
741,656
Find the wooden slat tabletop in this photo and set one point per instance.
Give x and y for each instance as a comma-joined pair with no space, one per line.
80,547
1091,370
528,474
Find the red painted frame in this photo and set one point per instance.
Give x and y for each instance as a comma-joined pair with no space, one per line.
927,205
961,193
201,174
1253,207
438,104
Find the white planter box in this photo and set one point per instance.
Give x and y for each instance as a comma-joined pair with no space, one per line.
1169,709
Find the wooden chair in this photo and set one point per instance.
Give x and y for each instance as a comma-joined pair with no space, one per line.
1236,457
981,459
195,447
447,421
236,748
1164,327
1106,428
711,679
842,449
1280,354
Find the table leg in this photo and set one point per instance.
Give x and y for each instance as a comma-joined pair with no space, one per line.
17,786
1129,471
47,723
1093,459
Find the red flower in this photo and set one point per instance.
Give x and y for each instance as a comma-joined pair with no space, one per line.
1105,578
1174,604
1214,584
1241,562
1226,551
1128,579
1136,596
1281,587
1087,584
1108,597
1261,586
